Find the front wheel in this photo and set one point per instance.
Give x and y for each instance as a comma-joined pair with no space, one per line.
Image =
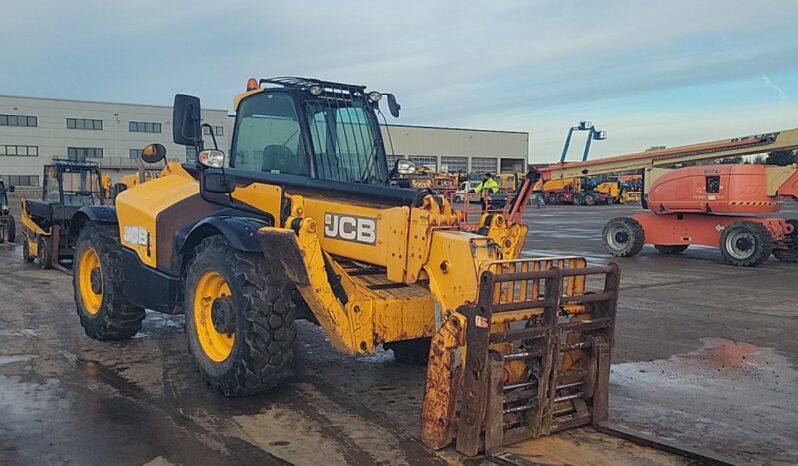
589,199
26,249
791,253
239,318
552,199
45,253
623,237
577,199
746,244
104,312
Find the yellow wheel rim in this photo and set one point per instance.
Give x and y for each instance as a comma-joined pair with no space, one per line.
90,280
216,345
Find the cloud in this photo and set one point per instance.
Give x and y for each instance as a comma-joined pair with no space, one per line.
516,64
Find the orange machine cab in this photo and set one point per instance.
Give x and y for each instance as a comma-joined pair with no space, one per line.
713,189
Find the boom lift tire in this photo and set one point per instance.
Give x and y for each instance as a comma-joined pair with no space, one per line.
746,244
791,254
239,318
589,199
576,199
45,254
414,352
105,314
623,237
671,249
552,199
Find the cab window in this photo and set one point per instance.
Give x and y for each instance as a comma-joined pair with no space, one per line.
268,137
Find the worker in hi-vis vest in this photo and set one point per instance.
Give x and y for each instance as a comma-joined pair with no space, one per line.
489,185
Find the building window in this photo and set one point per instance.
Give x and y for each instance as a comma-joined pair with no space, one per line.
454,164
83,153
19,120
20,180
84,123
24,151
144,127
483,164
217,130
430,162
136,153
191,154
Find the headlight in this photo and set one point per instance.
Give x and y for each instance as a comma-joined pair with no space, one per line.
315,90
375,96
405,167
211,158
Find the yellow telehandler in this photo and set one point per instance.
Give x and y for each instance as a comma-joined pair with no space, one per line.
301,222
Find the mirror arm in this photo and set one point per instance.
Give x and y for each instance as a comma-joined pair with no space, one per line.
213,136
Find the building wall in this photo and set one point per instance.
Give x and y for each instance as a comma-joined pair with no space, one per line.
51,137
454,149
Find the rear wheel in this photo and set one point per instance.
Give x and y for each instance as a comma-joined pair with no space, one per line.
589,199
105,314
746,244
239,318
577,199
552,199
45,253
671,249
10,230
623,237
410,351
791,253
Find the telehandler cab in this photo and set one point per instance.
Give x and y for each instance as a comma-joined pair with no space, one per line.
68,186
303,223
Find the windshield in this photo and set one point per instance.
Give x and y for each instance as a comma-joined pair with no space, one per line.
345,144
80,187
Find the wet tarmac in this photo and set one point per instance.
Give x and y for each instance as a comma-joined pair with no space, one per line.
705,355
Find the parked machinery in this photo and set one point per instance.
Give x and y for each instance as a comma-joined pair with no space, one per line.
68,186
304,224
8,227
713,205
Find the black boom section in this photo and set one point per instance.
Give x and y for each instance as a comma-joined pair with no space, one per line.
384,195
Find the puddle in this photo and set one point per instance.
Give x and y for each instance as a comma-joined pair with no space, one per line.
730,397
10,359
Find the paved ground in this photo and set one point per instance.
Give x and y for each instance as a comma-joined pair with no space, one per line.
706,355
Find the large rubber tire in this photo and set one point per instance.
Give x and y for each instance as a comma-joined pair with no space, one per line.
589,199
45,253
259,349
790,254
552,199
410,351
10,233
746,244
576,199
113,317
623,237
671,249
26,249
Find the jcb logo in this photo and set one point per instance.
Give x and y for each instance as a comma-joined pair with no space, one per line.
350,228
135,235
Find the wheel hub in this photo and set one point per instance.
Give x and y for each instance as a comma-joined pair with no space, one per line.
622,237
223,315
96,280
744,244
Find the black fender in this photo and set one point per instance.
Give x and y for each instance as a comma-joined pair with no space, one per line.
241,232
93,213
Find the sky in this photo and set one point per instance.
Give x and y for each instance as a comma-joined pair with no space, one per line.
649,73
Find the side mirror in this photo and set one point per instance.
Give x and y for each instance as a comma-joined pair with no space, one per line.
186,120
393,105
11,189
153,153
218,183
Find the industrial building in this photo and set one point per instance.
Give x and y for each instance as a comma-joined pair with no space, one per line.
34,130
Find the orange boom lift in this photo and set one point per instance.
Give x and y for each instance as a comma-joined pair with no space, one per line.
710,205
